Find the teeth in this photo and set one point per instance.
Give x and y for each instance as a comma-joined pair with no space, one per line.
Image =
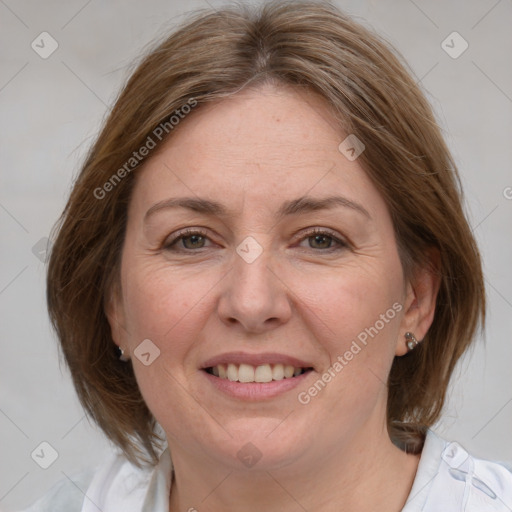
263,373
245,373
288,371
248,373
278,372
232,372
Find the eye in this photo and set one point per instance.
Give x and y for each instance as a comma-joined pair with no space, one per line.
187,240
190,240
320,239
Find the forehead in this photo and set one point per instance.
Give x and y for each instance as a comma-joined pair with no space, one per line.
257,147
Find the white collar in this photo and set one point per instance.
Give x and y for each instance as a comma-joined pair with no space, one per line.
119,485
448,478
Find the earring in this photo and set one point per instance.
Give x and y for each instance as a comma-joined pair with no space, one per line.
410,341
122,357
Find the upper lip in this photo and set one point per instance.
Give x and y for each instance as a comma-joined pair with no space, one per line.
255,359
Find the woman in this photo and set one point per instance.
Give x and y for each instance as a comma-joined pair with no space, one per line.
265,255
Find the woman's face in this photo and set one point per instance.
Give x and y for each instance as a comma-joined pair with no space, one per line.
250,179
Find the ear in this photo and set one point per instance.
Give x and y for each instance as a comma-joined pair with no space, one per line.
114,311
420,300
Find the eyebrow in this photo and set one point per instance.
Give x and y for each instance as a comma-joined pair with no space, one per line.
297,206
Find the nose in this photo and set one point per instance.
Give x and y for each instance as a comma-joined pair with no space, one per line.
253,297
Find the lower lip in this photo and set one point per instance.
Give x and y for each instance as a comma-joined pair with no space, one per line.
256,390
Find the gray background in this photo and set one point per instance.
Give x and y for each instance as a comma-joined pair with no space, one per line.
50,111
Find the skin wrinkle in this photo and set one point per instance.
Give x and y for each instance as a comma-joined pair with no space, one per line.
283,301
295,206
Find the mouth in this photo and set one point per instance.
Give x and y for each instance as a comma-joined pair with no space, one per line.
264,373
255,377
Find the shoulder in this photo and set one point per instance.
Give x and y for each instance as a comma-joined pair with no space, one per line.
67,495
71,494
449,478
114,485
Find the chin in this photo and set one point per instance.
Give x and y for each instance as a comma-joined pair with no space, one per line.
263,443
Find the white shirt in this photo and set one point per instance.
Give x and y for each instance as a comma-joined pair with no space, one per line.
448,479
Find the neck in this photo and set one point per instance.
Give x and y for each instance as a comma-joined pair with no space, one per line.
366,474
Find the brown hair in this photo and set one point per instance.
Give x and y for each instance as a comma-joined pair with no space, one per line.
302,44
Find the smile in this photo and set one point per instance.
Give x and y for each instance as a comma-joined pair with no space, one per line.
247,373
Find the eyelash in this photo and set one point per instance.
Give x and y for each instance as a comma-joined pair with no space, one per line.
311,233
184,234
322,232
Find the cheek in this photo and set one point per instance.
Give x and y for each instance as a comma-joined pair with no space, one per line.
169,309
356,316
350,300
167,305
